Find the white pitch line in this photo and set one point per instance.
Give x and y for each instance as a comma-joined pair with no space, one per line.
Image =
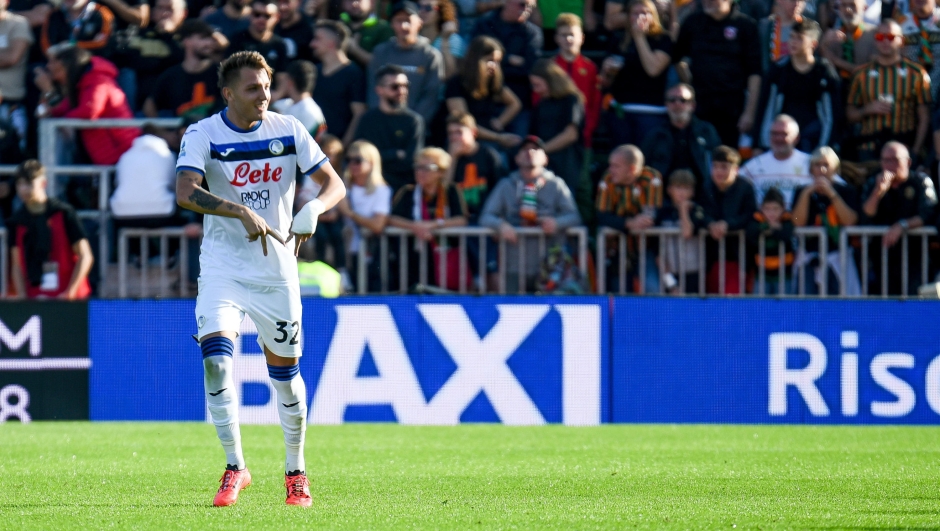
45,364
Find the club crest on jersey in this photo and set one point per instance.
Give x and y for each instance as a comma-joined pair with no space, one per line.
276,147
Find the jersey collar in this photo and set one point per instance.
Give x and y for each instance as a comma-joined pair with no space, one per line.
234,127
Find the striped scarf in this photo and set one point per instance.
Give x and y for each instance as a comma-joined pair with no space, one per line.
529,202
924,53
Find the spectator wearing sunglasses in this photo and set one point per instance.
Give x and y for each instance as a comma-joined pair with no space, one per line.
366,206
685,143
890,97
393,128
439,25
423,64
260,36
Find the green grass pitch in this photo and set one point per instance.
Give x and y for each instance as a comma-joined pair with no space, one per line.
163,476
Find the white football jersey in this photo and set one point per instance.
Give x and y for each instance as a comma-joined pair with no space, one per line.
255,168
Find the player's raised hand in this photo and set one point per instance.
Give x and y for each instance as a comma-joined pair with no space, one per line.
305,223
299,239
257,228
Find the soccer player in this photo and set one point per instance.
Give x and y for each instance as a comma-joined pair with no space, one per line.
249,157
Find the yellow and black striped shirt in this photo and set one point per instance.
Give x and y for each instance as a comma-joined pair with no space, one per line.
906,85
629,200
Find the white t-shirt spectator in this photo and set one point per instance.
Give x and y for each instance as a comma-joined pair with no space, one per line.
146,179
367,205
307,111
766,172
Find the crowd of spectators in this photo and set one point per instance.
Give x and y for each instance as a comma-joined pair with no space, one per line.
740,119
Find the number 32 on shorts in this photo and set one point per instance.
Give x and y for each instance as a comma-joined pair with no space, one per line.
282,328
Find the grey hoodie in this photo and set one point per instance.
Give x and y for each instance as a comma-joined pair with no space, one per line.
424,67
554,201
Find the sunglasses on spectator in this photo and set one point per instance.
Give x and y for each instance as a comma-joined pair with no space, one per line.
354,160
881,37
427,167
396,86
260,14
676,99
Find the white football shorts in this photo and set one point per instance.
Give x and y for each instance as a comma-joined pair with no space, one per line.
222,303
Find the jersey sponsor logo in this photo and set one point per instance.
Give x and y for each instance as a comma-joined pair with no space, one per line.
227,152
244,174
256,199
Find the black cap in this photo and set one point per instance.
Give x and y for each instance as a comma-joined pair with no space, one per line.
407,6
532,139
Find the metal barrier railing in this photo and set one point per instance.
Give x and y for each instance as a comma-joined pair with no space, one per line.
144,235
407,241
664,234
48,150
797,270
865,233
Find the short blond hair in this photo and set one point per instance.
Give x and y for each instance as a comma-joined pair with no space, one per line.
827,154
568,20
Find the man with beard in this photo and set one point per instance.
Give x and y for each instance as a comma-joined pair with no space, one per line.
686,143
396,130
368,30
720,50
260,36
191,87
422,63
851,45
295,28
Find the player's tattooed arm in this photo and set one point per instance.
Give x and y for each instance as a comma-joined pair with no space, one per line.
191,195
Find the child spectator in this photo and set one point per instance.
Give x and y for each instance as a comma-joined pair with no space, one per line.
680,257
775,224
50,255
569,35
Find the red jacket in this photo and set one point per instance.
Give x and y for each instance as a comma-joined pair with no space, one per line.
583,72
99,96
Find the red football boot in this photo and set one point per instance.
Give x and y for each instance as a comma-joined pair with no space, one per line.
233,481
298,490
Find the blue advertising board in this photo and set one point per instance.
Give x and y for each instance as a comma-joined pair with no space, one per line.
775,361
438,360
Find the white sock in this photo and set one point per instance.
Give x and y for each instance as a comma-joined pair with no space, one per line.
292,409
222,398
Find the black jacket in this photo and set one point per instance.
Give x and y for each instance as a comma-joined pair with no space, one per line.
659,150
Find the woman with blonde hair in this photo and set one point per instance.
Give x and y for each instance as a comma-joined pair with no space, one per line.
635,76
558,119
430,204
367,204
479,91
831,203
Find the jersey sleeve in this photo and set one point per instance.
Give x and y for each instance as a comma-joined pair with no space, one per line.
309,155
194,150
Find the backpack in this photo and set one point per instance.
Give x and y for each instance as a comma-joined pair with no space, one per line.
559,274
